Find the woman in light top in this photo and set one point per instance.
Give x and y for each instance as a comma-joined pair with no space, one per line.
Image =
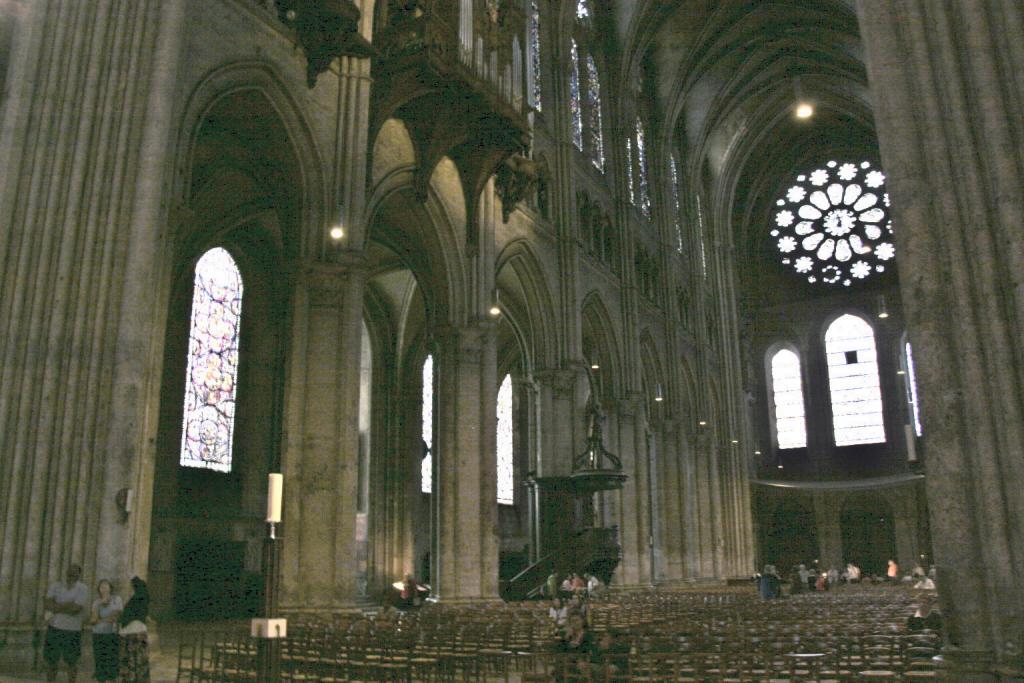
106,612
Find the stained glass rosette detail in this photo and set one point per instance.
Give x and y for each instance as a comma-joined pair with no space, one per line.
833,226
212,374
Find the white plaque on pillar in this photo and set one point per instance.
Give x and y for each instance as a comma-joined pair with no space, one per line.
269,628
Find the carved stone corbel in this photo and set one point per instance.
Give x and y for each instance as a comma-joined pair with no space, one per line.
514,181
325,29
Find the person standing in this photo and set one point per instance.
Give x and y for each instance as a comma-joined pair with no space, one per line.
134,635
552,585
67,600
106,612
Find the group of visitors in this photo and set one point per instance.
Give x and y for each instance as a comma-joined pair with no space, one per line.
119,635
604,656
803,579
573,584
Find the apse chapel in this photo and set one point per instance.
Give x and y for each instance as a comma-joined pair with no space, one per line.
689,286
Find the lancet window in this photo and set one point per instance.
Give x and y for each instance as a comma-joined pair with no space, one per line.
533,45
788,400
211,376
427,428
505,444
853,382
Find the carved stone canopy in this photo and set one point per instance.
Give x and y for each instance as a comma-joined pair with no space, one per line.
325,29
595,457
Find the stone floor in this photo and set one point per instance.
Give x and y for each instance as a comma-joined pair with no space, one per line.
16,659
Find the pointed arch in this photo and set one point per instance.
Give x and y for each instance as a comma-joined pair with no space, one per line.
655,386
522,281
306,185
601,347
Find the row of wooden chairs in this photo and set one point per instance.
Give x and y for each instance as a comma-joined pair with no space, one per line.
672,636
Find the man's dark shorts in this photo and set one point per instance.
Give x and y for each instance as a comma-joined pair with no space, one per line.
61,644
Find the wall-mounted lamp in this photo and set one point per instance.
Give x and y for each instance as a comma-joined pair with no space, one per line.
780,465
735,441
757,452
883,312
595,366
702,423
495,309
658,396
124,499
337,233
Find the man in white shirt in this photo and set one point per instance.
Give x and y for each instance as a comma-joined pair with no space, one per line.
67,600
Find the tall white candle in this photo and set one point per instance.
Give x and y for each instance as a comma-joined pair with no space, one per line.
275,491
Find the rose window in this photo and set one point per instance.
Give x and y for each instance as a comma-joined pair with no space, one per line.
833,225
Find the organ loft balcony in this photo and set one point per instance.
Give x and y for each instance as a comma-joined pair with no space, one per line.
454,71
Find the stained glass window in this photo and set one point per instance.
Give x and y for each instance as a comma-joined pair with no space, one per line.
853,382
506,478
677,216
788,400
644,200
912,388
629,170
427,430
574,97
701,244
533,41
833,226
211,377
594,122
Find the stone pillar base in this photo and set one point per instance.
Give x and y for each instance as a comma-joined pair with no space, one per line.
969,666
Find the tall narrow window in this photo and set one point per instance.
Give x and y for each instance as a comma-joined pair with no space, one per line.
853,382
788,400
594,122
912,388
644,199
574,97
427,430
533,43
211,377
629,171
677,216
701,240
506,469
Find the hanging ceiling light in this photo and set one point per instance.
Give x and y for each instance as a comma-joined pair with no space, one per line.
658,396
802,108
495,309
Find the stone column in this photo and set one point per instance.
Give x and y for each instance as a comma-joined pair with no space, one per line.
465,469
321,449
690,518
947,91
634,527
85,137
904,508
670,492
829,531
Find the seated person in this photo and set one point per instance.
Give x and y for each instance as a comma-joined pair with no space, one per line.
925,617
558,613
925,584
578,640
610,657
